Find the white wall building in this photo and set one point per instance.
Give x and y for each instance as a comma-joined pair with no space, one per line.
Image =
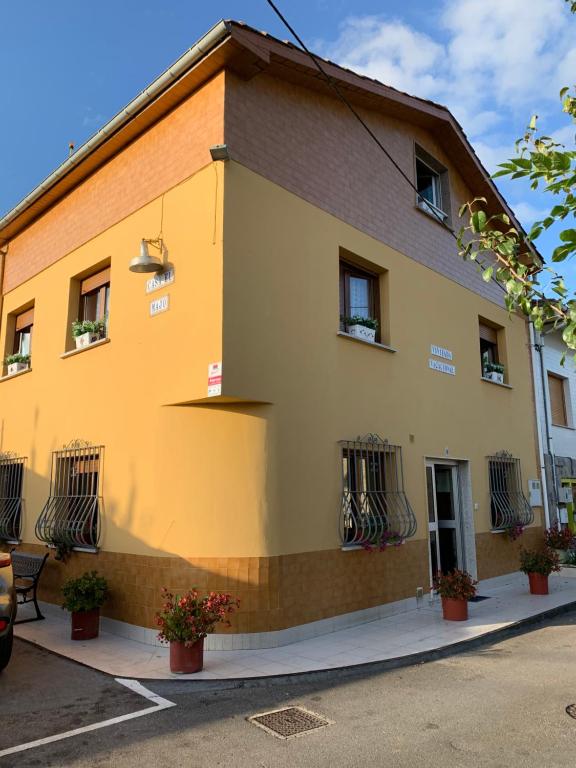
555,391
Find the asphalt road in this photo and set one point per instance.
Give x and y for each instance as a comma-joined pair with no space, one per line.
499,705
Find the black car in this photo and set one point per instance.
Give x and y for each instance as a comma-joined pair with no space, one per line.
7,608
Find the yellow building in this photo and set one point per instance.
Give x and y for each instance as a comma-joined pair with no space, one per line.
224,423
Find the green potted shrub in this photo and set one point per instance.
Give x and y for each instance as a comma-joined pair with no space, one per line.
361,327
494,372
86,332
84,597
538,564
16,363
561,540
455,589
186,620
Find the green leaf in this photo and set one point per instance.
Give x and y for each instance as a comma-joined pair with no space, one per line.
478,221
568,236
487,274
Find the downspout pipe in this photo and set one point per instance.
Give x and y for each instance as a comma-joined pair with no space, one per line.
538,343
212,38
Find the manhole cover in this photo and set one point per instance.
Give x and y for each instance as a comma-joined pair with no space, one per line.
288,722
571,710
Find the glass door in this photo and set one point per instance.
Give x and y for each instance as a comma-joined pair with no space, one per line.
445,543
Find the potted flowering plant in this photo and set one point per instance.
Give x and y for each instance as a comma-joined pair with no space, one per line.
86,332
514,531
561,540
387,539
494,372
16,363
455,589
186,620
361,327
538,565
83,597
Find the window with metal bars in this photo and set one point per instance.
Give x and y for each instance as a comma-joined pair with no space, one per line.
373,499
72,514
508,505
11,482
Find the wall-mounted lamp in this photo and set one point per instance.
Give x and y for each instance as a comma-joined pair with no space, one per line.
220,152
145,262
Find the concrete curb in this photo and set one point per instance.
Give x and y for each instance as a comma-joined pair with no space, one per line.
359,670
355,670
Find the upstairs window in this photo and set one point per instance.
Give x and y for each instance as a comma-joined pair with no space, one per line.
95,297
556,390
72,513
23,333
359,299
374,504
508,505
491,360
91,296
432,185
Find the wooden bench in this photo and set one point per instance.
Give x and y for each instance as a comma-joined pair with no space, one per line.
27,569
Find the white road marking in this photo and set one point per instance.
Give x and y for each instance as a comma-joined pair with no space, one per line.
134,685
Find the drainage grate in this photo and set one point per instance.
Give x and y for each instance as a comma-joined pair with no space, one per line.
571,710
289,722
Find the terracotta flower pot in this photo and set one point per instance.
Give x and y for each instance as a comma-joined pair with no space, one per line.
538,584
185,661
85,624
454,609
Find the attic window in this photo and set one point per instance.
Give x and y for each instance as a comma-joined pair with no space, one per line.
432,185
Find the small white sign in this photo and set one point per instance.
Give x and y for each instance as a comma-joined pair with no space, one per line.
159,305
440,352
215,379
160,281
436,365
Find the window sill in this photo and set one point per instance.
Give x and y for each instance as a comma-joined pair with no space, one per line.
15,375
73,352
376,344
558,426
88,550
497,383
356,547
444,224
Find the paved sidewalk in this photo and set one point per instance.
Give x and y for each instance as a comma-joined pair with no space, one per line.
395,637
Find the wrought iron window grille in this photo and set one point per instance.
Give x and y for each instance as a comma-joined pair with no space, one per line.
373,499
73,513
508,505
11,501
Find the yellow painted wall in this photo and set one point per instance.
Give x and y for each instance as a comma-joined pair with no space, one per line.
281,346
174,480
260,476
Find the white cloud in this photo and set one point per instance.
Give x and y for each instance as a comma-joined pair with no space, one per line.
92,121
492,57
527,213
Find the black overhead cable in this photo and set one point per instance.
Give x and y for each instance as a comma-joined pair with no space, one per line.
366,127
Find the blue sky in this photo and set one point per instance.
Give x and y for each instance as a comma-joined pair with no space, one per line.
69,67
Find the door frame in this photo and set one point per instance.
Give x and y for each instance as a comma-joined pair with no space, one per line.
464,512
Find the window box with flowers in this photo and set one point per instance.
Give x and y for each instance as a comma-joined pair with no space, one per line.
361,327
494,372
86,332
186,620
16,363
